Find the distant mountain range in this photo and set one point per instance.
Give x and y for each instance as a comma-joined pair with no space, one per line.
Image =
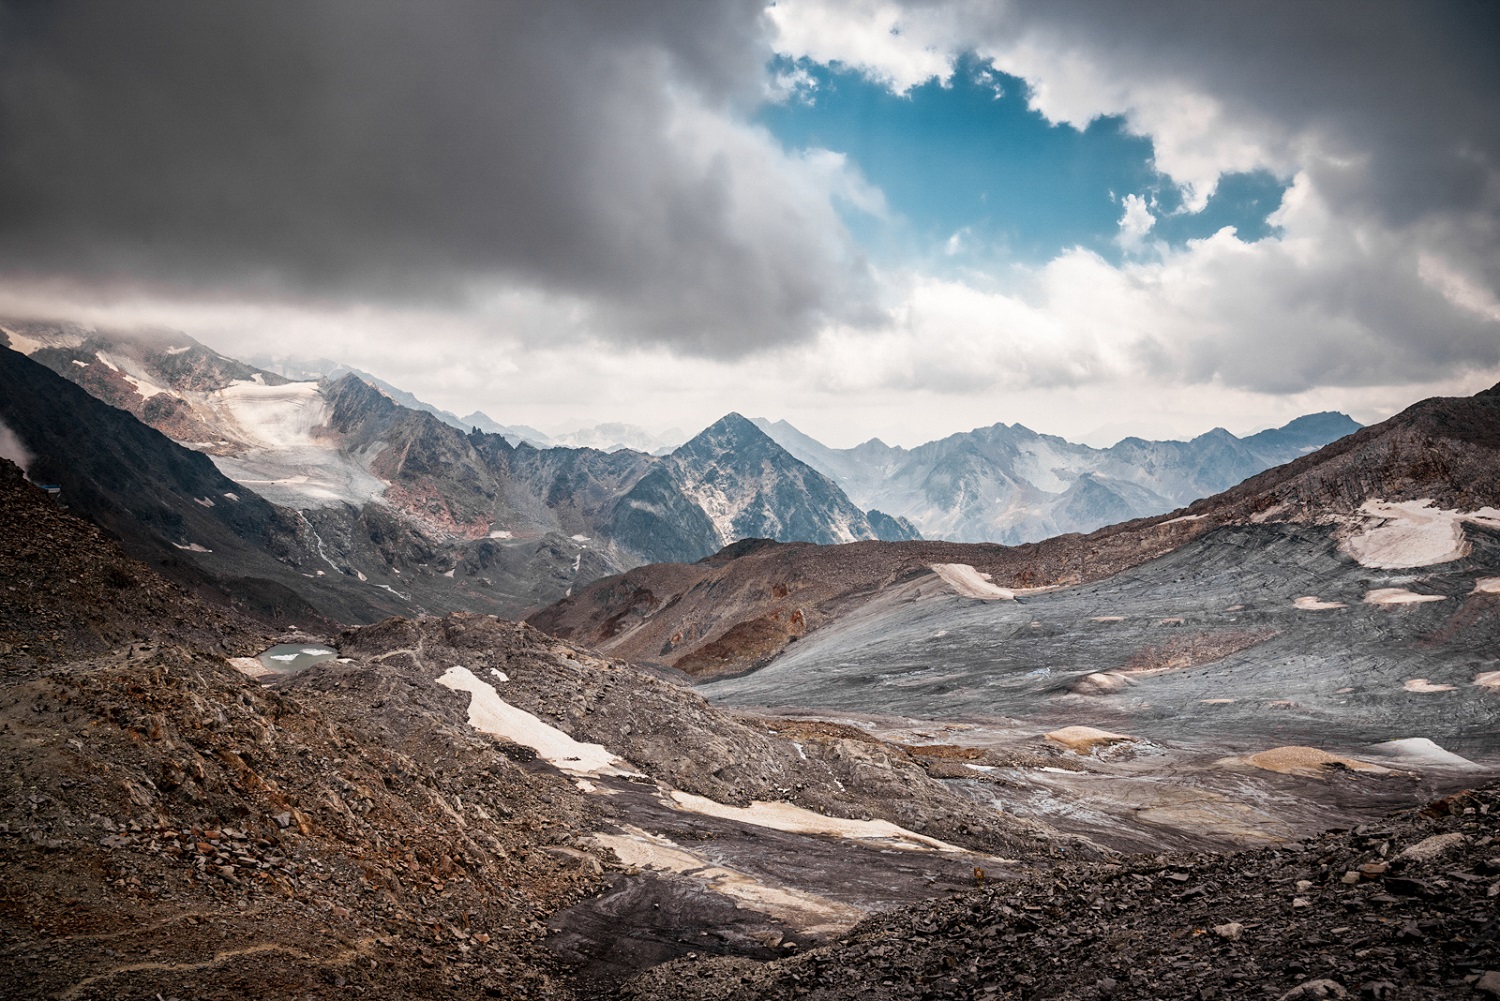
1009,484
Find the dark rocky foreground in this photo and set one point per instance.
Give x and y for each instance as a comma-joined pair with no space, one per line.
170,826
1405,909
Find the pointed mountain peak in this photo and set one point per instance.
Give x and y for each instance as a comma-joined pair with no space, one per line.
730,431
733,422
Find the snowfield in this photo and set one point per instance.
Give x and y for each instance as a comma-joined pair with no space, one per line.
971,583
1398,536
285,459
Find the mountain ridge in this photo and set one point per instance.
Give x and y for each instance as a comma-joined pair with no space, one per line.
1010,484
399,500
740,610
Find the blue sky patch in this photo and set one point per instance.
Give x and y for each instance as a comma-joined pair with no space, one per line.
972,159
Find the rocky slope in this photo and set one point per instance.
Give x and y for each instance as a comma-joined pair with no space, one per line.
1402,909
742,608
1009,484
169,506
69,591
171,825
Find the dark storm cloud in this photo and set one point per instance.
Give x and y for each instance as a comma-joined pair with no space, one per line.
416,152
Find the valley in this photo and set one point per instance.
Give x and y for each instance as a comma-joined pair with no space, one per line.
752,740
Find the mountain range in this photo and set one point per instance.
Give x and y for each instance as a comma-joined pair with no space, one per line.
1396,495
1009,484
387,505
369,501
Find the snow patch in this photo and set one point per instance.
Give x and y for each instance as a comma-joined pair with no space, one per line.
796,820
807,912
489,713
203,501
1424,687
971,583
145,387
1312,603
1420,752
178,350
288,457
1488,679
192,547
31,345
1487,585
80,364
1392,536
1399,596
250,666
500,533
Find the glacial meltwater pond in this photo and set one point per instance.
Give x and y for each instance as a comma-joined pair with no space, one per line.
290,658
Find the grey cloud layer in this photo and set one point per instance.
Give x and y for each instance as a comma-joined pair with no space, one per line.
419,152
1392,110
1413,86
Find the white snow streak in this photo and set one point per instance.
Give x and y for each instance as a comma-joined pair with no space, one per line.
489,713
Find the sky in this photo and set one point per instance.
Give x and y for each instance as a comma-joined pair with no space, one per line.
871,218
